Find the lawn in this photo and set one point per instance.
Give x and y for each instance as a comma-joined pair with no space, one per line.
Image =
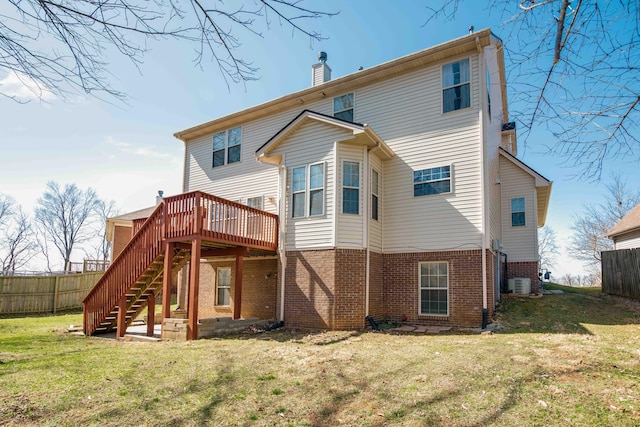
570,360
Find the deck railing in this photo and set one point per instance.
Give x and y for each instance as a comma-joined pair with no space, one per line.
185,216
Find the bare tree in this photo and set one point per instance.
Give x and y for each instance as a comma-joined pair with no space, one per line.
591,226
62,46
18,244
64,216
101,248
573,68
547,247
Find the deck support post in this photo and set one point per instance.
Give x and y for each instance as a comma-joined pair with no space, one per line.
151,314
237,289
167,280
194,285
122,316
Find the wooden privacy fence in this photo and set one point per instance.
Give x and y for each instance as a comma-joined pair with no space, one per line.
621,273
44,294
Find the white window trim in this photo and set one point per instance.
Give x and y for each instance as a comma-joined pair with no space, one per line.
308,189
353,108
376,194
420,313
261,198
442,88
226,147
224,287
359,188
451,185
524,210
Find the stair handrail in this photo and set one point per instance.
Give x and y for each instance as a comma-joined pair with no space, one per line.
145,246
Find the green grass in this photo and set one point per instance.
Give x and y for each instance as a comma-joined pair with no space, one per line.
570,359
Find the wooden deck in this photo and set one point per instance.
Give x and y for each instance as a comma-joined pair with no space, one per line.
192,223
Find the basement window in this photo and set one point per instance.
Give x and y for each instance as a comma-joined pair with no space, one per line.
223,287
434,288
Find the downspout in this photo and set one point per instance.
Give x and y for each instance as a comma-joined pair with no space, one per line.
282,194
483,194
365,231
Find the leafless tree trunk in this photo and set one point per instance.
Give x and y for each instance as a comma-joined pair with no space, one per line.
62,47
63,216
547,247
18,245
573,68
101,249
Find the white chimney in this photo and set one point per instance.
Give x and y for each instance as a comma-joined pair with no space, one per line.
320,72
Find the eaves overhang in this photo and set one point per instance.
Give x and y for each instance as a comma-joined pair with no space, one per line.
460,46
542,184
362,134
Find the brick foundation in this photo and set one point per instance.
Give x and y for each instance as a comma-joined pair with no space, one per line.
259,281
400,289
528,269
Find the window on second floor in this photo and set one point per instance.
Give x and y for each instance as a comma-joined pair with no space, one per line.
313,192
227,146
456,86
375,194
517,212
432,181
351,188
343,107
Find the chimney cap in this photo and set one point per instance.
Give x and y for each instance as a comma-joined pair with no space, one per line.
322,56
160,193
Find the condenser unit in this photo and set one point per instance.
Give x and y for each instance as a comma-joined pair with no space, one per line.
520,285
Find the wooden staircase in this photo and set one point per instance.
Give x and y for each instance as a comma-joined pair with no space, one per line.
150,283
137,273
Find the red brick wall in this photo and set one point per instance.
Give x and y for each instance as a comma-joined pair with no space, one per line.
121,236
310,289
400,273
259,282
350,289
524,269
376,288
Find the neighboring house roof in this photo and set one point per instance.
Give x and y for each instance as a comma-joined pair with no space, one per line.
630,222
471,42
126,220
362,133
543,185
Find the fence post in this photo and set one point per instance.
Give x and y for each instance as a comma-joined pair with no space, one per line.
56,285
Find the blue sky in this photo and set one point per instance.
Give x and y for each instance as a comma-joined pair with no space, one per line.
127,152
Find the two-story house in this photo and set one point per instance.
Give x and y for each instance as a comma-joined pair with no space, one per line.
396,189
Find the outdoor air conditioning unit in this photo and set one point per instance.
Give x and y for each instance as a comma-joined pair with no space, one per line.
520,285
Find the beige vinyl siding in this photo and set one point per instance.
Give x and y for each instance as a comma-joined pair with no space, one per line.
375,227
313,142
628,241
350,226
493,135
519,243
247,178
407,113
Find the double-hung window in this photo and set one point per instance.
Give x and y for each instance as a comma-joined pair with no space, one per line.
343,107
456,86
375,194
227,146
313,191
432,181
434,288
517,212
351,188
223,287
